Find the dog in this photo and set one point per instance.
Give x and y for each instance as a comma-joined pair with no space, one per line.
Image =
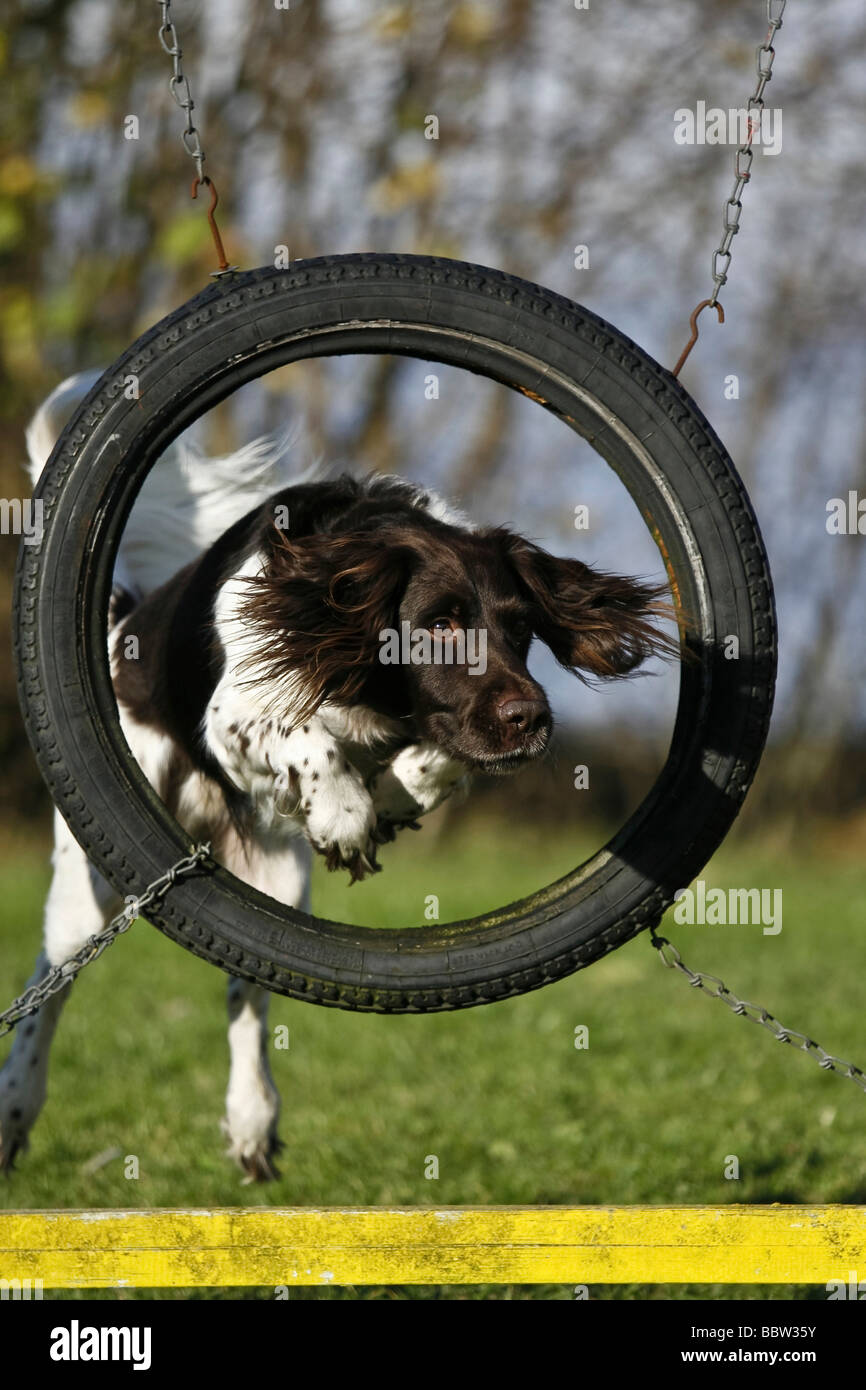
248,628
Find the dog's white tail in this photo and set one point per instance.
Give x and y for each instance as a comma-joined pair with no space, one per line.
188,499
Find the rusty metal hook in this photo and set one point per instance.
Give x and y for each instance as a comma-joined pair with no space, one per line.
214,199
693,324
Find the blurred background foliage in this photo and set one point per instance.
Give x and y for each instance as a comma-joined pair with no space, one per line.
555,129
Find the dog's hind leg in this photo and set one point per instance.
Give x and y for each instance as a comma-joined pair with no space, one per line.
281,868
252,1099
79,903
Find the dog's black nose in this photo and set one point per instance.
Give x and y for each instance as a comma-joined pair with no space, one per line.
524,716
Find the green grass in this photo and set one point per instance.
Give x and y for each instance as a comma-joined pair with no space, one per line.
671,1084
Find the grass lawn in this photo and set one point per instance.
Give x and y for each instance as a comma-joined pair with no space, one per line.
671,1084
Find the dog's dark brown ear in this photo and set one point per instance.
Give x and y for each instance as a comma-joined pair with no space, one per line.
602,624
319,609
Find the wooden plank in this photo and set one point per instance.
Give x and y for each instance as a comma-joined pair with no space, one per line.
453,1245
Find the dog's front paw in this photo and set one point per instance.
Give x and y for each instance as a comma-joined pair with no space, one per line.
387,827
416,781
360,863
344,833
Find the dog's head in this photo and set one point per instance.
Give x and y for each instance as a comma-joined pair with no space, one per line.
432,623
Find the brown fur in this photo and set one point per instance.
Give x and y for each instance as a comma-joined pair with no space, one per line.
324,599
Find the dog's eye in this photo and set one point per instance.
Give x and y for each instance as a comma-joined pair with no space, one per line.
444,625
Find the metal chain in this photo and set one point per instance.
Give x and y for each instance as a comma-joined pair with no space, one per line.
179,87
721,261
59,976
712,985
765,56
182,93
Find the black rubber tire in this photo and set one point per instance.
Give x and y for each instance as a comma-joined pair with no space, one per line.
633,413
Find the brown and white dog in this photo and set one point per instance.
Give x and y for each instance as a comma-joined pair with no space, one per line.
248,644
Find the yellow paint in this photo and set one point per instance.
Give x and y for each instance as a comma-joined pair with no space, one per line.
669,569
533,395
456,1245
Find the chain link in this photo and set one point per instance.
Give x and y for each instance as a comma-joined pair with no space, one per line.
60,976
722,256
180,88
765,56
717,989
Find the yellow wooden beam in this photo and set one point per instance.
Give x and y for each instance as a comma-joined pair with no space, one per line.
453,1245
